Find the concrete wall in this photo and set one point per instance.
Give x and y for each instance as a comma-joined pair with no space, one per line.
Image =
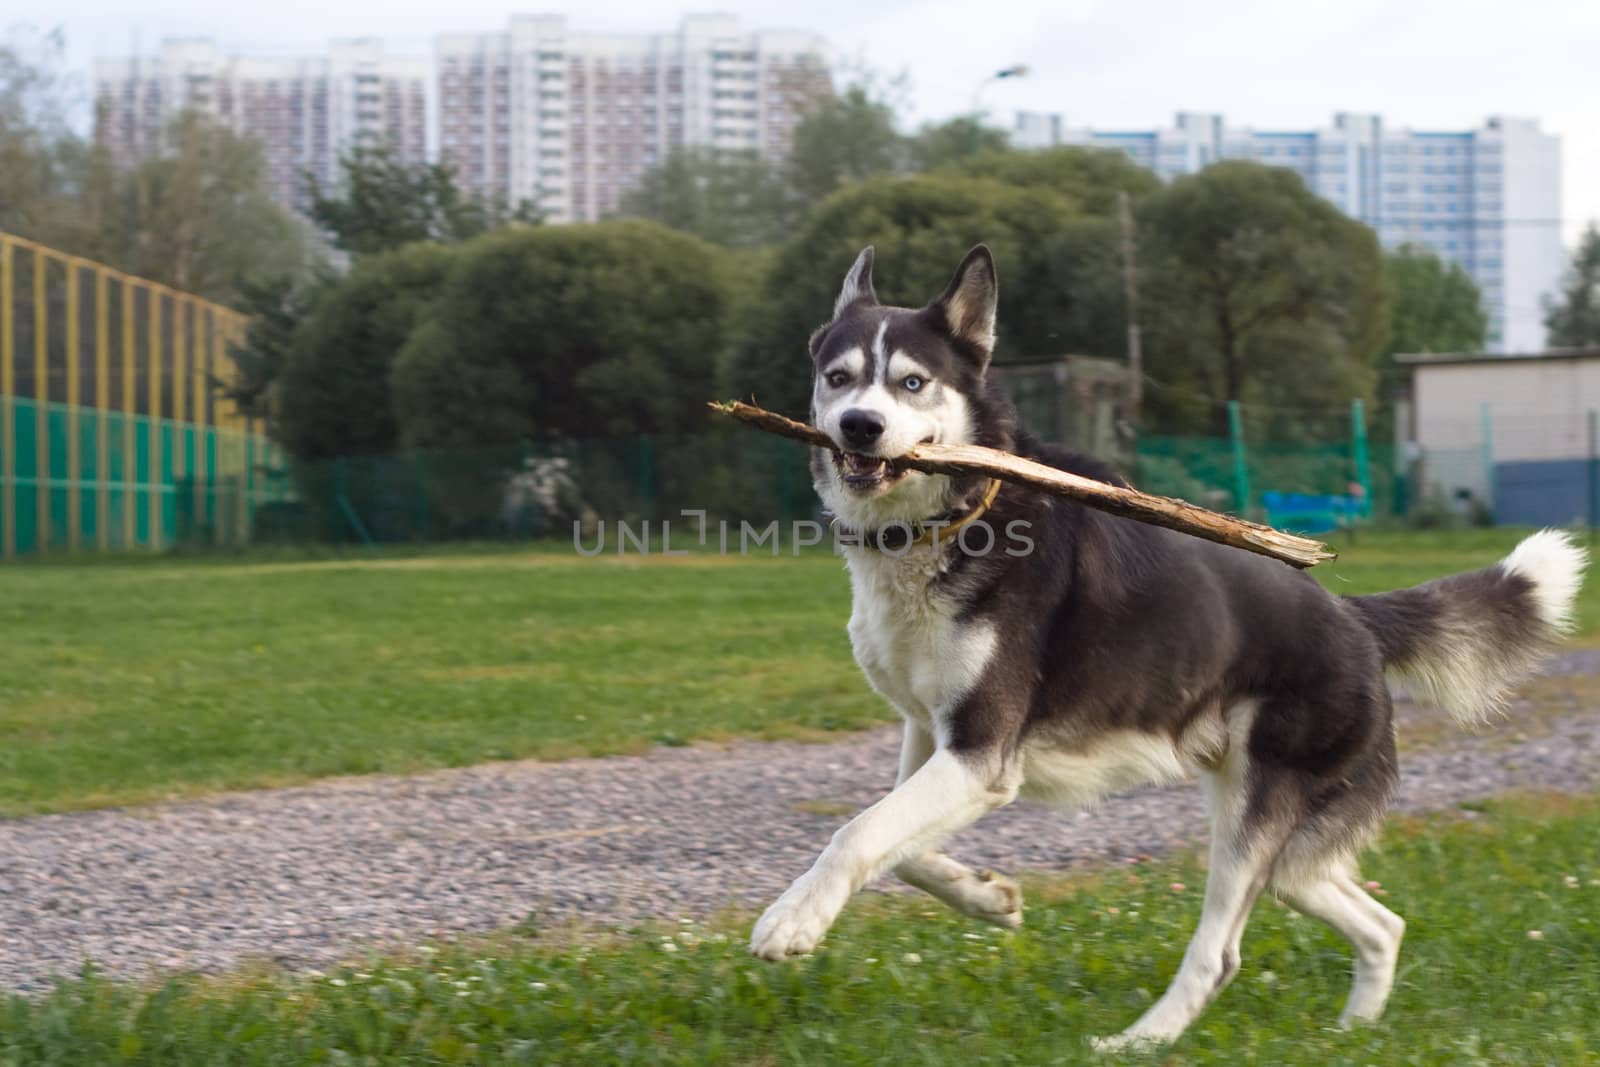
1538,407
1532,464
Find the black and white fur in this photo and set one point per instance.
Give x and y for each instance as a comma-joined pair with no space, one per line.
1116,654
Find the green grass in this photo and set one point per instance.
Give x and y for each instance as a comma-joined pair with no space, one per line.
902,981
133,680
128,683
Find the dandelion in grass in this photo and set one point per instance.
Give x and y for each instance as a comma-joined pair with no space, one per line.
669,946
1571,881
911,957
538,987
1535,935
336,981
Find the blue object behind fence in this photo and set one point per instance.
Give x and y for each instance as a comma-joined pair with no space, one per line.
1312,513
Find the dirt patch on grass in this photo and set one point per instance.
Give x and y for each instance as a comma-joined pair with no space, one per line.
1532,713
832,809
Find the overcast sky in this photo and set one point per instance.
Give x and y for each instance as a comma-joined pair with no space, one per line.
1433,64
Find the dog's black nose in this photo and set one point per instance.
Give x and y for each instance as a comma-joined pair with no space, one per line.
861,428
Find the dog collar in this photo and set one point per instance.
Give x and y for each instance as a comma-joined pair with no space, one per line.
904,536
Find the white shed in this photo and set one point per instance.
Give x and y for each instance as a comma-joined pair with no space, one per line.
1511,429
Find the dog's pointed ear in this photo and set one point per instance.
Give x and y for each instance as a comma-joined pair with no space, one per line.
966,309
857,288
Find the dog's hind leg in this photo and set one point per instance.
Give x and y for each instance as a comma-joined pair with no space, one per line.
1372,929
1316,874
1245,842
987,896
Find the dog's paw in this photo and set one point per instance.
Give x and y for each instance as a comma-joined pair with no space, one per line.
794,923
993,898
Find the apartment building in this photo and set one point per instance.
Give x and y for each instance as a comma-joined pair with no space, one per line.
570,119
305,111
1488,198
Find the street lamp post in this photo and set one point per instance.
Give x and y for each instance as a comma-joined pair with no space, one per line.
1016,70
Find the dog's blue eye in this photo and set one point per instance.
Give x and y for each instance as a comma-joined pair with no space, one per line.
912,383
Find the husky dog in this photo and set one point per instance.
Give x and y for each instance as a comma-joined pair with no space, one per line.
1111,654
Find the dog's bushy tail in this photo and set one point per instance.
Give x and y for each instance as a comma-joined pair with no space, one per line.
1462,643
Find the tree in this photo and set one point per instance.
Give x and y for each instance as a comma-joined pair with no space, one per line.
53,185
1255,287
1093,177
939,143
1434,307
728,198
570,331
33,91
382,204
1574,319
199,217
841,139
1059,293
334,397
274,308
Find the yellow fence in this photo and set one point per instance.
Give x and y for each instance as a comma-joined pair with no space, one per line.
113,430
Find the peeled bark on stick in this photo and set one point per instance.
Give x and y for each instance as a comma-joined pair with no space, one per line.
1165,511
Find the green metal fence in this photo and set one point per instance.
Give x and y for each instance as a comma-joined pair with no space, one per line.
76,478
113,432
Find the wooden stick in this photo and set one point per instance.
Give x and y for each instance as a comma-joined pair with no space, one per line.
1129,503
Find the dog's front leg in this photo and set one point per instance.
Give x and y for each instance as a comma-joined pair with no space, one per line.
946,793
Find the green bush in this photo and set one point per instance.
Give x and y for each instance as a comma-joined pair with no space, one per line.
566,332
334,396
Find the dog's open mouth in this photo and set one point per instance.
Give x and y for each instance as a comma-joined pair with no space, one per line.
866,473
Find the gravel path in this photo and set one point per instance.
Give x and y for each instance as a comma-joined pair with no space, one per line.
305,876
